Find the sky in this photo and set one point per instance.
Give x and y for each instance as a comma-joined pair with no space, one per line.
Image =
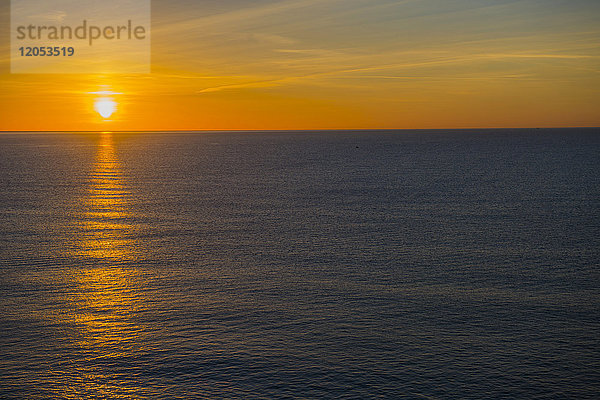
334,64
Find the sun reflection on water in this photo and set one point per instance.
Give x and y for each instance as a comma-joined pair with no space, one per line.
106,232
107,245
106,290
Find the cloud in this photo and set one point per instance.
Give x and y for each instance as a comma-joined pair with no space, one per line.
53,16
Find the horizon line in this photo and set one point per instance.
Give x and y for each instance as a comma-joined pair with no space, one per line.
287,130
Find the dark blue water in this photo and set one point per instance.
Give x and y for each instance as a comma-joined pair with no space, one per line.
372,265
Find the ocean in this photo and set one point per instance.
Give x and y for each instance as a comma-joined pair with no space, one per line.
458,264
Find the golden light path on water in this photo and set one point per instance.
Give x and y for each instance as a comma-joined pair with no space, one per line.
106,292
105,226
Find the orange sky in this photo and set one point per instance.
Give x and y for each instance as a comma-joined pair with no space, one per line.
308,64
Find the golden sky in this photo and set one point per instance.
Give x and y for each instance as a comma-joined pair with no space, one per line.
335,64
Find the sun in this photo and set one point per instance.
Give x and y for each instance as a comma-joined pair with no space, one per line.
105,107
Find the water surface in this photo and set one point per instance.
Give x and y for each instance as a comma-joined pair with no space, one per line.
352,265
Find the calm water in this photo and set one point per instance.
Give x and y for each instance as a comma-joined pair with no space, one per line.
437,265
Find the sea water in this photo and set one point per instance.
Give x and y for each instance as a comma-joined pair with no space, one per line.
314,265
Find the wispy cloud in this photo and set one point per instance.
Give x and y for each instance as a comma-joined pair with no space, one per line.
53,16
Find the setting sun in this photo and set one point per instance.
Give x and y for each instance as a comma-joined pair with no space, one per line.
105,107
